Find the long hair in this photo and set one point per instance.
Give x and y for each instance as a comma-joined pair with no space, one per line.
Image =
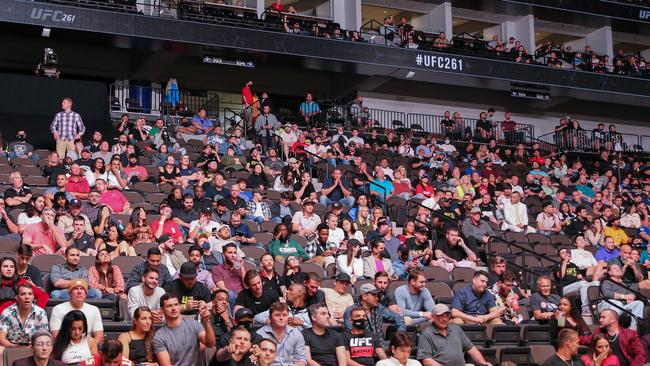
103,168
148,338
104,277
581,326
12,260
135,218
62,340
30,210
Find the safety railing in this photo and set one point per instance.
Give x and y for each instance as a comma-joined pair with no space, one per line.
588,140
158,101
366,187
643,324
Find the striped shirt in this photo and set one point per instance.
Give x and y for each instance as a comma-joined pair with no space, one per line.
67,125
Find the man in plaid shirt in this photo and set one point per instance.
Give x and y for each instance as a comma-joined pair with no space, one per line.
319,250
66,127
258,210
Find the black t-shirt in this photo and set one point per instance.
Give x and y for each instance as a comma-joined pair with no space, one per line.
318,298
533,187
362,347
484,124
321,347
447,122
570,275
274,282
455,252
51,172
308,190
224,340
84,243
89,163
183,294
11,193
447,212
555,360
245,361
415,249
615,346
257,305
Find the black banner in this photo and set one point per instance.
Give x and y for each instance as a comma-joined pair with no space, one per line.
137,25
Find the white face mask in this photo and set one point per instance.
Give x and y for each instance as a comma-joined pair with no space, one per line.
446,142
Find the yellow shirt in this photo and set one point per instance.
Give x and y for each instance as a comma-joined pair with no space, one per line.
618,235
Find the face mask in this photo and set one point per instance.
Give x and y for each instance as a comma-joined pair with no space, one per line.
205,246
21,137
446,142
246,325
359,323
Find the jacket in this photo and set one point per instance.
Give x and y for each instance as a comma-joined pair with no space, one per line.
369,268
630,343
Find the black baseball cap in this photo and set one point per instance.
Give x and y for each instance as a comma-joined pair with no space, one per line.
188,270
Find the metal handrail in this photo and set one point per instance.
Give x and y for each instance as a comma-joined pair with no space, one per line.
364,178
580,140
639,296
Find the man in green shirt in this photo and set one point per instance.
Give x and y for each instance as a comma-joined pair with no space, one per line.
282,247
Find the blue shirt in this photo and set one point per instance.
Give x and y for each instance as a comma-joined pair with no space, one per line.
337,193
205,123
605,255
386,184
643,229
469,302
308,108
241,229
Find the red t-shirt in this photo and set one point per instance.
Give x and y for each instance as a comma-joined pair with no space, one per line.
79,186
247,95
277,7
96,360
114,199
40,236
426,191
170,228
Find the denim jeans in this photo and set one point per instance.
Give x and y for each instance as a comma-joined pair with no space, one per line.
348,201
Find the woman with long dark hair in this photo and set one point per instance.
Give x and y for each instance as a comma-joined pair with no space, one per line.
292,272
285,182
106,277
72,345
600,352
350,263
350,231
99,170
175,198
137,344
114,243
572,317
137,231
60,204
9,282
257,179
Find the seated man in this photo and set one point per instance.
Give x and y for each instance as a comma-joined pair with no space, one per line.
415,299
515,215
543,303
44,237
336,189
338,298
626,345
113,198
573,280
191,294
166,226
615,294
474,304
452,252
369,302
62,275
199,125
548,222
20,321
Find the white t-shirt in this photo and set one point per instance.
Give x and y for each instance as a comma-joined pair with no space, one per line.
393,362
93,317
583,258
23,219
137,299
336,236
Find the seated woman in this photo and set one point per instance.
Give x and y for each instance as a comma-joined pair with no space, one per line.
573,319
10,281
60,204
137,344
285,182
170,173
102,222
350,263
257,179
137,231
114,243
600,352
400,351
73,345
106,277
175,198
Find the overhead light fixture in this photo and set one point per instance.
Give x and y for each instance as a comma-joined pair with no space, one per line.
410,74
46,32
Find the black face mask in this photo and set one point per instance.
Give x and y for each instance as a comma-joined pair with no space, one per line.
20,138
359,323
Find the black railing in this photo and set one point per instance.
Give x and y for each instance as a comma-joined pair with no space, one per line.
365,187
642,323
589,140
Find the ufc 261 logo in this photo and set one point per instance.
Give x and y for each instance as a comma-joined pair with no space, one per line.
52,15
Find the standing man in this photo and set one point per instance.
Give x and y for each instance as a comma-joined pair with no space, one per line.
445,344
66,127
265,126
177,342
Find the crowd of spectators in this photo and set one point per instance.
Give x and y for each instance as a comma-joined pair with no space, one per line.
239,251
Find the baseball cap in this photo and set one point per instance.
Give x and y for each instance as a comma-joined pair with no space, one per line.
422,229
242,313
292,161
443,200
188,270
425,175
163,238
206,211
475,209
343,277
337,205
75,202
440,309
383,221
368,288
354,243
77,282
308,201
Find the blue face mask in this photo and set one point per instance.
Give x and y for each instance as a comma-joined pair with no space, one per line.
205,245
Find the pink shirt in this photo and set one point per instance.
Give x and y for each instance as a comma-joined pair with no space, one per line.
39,236
170,228
136,171
114,199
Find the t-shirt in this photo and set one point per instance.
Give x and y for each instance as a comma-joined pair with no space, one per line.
455,252
362,347
11,193
181,343
257,305
39,236
570,274
322,347
544,304
93,317
84,243
183,294
555,360
114,199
